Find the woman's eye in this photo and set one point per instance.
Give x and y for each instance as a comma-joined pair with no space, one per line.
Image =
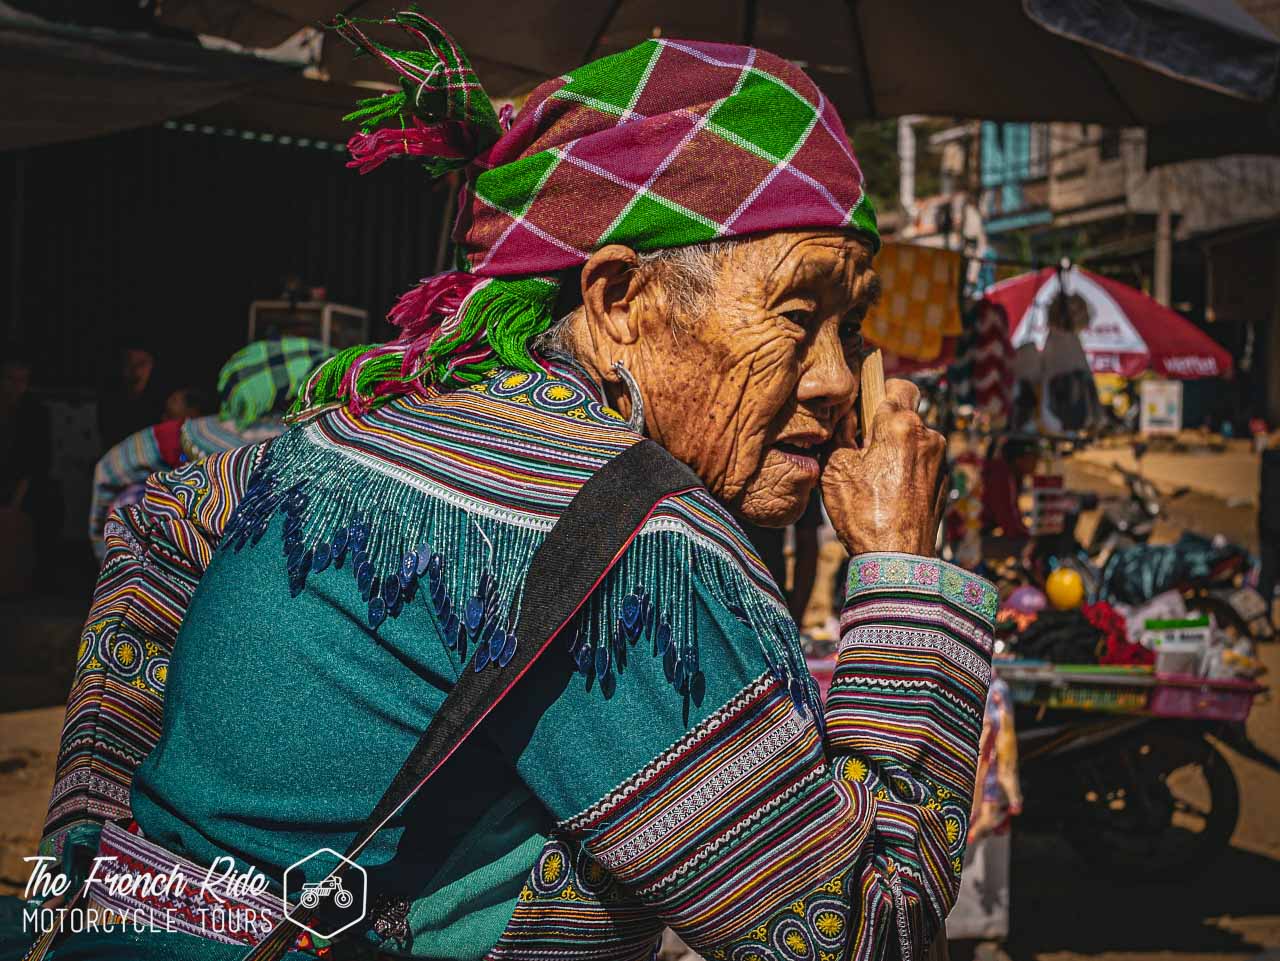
851,335
798,317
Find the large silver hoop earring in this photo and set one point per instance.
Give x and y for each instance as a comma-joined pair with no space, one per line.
636,420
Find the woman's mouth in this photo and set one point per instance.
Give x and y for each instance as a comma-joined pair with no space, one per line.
802,456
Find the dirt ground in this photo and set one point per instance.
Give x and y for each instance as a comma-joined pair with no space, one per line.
1059,913
28,751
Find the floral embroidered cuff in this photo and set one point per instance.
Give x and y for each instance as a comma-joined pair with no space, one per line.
908,576
911,677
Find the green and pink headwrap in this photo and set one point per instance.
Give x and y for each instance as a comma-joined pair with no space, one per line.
669,143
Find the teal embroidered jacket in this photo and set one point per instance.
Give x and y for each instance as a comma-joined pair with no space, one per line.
275,625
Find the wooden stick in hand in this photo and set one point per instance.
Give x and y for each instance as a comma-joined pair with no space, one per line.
872,391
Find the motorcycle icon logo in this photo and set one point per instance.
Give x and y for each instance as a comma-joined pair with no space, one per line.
329,905
313,891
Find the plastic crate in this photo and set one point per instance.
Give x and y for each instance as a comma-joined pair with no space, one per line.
1099,697
1182,696
1078,687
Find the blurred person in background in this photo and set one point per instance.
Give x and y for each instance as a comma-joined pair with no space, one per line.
1054,389
187,402
1003,474
1269,525
28,497
132,398
255,387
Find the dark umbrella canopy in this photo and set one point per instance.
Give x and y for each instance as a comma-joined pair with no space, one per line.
1185,66
63,82
1114,62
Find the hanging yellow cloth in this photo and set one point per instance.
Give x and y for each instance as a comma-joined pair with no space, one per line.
920,301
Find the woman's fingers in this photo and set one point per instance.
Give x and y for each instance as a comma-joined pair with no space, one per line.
888,494
902,394
897,412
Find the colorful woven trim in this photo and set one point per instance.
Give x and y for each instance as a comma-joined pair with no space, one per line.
698,833
904,713
896,572
572,909
164,890
423,498
202,436
122,663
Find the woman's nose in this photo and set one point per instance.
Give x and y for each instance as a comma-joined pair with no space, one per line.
826,378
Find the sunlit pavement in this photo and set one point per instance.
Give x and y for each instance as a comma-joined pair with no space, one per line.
1227,470
28,751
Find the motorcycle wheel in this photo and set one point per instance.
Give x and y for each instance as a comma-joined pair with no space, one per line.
344,899
1159,805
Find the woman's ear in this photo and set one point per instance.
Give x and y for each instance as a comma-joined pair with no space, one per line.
610,288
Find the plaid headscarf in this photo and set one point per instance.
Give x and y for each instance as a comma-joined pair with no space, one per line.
264,378
666,144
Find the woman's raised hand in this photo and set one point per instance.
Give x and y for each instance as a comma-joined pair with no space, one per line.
888,494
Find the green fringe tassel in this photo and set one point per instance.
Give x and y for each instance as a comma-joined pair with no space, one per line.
507,315
510,314
452,91
373,111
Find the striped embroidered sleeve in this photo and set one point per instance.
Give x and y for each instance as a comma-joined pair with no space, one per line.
130,462
903,719
156,552
738,836
735,830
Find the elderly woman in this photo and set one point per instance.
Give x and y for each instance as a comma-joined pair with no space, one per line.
674,243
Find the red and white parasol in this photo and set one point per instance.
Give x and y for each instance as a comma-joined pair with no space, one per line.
1128,332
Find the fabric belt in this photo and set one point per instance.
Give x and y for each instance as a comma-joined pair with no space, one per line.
150,887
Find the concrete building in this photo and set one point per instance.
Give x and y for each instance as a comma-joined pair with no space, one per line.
1028,195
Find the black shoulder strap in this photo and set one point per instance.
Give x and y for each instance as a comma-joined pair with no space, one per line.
584,545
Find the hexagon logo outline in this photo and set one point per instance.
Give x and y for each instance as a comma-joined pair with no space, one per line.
313,893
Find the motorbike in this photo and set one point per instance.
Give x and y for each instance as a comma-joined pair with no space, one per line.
1130,520
1134,796
1221,591
314,891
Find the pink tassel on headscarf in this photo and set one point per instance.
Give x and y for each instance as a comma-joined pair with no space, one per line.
433,297
369,151
421,314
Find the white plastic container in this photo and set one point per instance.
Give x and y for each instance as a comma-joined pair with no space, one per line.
1180,645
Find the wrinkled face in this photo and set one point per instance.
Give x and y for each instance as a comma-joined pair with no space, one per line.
749,393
